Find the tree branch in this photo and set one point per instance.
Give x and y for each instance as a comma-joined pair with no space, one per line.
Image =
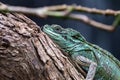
65,11
85,9
26,53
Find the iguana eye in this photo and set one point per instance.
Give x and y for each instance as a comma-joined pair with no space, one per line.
58,30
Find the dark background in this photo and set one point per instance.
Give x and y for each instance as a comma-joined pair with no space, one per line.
106,40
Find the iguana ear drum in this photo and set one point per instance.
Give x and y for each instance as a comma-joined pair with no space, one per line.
72,32
75,34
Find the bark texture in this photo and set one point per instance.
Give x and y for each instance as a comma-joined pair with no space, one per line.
26,53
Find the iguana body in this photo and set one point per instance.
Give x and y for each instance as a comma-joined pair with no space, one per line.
71,41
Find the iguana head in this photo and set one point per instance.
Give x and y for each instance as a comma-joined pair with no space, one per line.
65,38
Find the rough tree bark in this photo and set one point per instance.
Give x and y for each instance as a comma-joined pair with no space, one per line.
26,53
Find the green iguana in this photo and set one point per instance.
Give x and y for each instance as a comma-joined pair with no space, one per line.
100,64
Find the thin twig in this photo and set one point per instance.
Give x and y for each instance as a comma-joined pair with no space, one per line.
85,9
65,11
91,22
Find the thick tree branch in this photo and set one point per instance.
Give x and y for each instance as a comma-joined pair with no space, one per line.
26,53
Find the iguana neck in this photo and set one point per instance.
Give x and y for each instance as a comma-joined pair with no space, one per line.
72,47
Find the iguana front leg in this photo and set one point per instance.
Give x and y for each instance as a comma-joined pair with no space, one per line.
92,66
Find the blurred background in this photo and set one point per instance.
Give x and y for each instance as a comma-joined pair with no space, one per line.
106,40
